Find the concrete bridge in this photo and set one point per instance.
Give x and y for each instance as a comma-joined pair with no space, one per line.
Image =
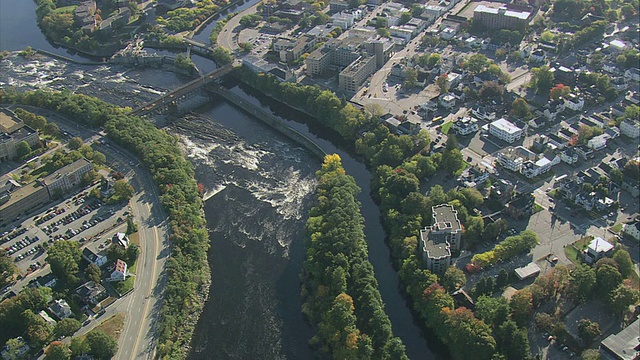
189,95
199,48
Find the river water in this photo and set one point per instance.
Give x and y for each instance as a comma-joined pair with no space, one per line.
260,184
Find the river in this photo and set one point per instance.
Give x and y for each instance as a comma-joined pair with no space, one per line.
261,185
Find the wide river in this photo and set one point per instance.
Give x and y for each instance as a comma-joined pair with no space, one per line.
260,186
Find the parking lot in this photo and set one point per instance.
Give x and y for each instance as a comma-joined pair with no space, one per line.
79,217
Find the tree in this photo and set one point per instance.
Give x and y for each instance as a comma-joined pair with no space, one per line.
625,265
590,354
476,63
493,311
521,306
57,350
64,257
520,108
66,327
38,330
75,143
122,191
132,227
434,59
543,321
607,278
410,78
491,90
22,149
13,347
79,345
52,129
453,279
583,279
7,268
628,12
443,83
222,55
621,298
467,337
588,330
102,346
503,278
559,91
93,273
452,161
246,47
512,341
541,79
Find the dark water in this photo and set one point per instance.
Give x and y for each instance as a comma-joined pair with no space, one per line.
263,185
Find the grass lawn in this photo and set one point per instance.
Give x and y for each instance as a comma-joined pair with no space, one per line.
112,326
574,251
446,127
123,286
66,9
617,228
536,208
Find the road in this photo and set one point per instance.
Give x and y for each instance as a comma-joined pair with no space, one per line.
228,34
142,306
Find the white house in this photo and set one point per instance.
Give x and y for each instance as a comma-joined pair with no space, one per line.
598,249
598,143
60,309
630,128
505,130
447,100
632,230
121,239
465,126
92,257
574,102
120,272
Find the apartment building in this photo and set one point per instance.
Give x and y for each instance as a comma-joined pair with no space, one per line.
501,18
505,130
443,235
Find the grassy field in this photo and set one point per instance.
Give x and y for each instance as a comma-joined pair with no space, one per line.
446,127
66,9
574,251
617,228
113,325
123,286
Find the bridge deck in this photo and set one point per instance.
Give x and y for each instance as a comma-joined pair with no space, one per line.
183,90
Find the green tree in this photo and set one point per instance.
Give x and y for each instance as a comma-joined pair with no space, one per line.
493,311
623,259
453,279
443,83
503,278
38,330
57,350
542,79
246,47
102,346
410,78
583,280
99,158
93,273
588,330
75,143
122,191
66,327
467,337
512,341
22,149
79,346
452,161
13,348
52,129
621,298
7,268
222,55
491,90
64,258
607,279
543,321
520,108
476,63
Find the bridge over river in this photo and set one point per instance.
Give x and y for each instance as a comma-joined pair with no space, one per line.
183,93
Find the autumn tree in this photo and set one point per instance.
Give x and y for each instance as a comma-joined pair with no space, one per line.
559,91
467,336
57,350
521,306
453,279
588,330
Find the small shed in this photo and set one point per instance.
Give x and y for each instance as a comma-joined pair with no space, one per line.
527,271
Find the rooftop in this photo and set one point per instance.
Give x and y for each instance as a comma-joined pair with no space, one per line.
600,245
435,247
65,170
523,15
446,218
625,343
7,119
506,126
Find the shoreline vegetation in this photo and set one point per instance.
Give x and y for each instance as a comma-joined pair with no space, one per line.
188,272
341,297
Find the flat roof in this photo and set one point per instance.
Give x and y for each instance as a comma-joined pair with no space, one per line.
73,167
445,214
6,118
20,194
625,343
523,15
435,247
529,270
506,126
